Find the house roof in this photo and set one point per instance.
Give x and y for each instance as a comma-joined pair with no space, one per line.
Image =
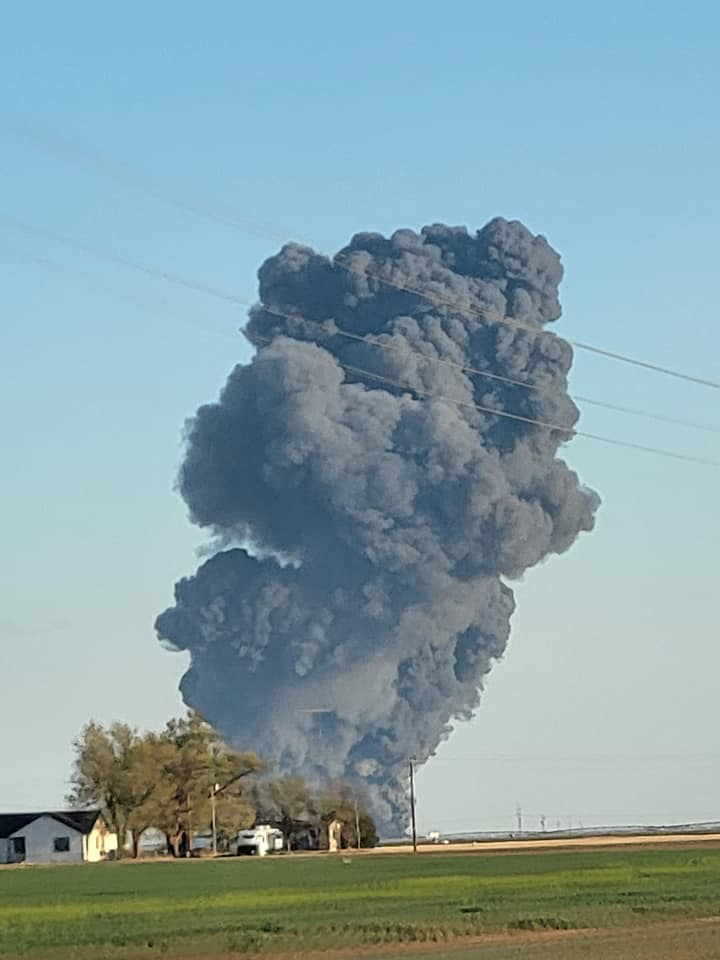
81,820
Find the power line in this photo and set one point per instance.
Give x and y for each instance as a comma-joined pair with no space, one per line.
495,317
648,414
133,176
481,408
667,371
212,291
158,188
540,423
630,821
130,296
123,261
577,758
387,345
216,292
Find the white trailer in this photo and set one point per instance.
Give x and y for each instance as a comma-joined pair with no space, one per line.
258,841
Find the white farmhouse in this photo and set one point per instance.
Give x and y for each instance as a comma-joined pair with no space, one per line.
70,836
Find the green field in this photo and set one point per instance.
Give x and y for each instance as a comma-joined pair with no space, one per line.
294,904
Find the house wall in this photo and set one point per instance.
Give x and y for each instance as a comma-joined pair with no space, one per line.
334,832
7,850
99,843
39,841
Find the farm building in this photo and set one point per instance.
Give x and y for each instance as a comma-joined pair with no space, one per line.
326,835
69,836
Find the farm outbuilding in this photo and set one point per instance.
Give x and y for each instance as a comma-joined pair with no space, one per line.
70,836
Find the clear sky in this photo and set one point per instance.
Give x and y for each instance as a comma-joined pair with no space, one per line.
595,124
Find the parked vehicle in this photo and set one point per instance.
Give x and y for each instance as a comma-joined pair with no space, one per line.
258,841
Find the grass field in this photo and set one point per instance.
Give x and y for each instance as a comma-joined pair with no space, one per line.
531,905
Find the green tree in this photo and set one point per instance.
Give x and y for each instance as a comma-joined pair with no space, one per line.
162,780
120,771
347,803
234,811
152,763
200,763
289,803
293,806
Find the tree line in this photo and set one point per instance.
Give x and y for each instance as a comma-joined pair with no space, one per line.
173,781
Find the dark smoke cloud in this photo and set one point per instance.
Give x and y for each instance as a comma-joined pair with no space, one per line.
373,524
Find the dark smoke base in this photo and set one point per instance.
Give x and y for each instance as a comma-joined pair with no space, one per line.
379,524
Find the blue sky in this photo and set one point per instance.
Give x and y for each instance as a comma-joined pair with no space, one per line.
596,126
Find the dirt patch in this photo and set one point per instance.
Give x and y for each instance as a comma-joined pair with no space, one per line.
519,939
414,949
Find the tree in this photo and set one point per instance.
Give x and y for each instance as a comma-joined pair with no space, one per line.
233,812
200,763
368,832
121,772
292,805
161,780
347,803
287,802
153,756
172,780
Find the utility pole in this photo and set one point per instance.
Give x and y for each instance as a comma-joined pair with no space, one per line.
518,814
213,790
188,831
357,824
412,803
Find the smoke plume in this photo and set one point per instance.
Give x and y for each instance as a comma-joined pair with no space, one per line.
370,501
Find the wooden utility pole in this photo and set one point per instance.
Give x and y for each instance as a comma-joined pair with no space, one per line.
357,824
188,828
412,803
213,790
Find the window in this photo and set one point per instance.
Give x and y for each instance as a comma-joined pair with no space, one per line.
62,845
18,846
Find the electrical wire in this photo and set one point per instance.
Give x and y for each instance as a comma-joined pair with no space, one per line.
130,175
212,291
121,260
142,301
481,408
216,292
495,317
474,371
125,173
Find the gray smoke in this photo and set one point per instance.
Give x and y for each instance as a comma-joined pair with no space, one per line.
368,525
